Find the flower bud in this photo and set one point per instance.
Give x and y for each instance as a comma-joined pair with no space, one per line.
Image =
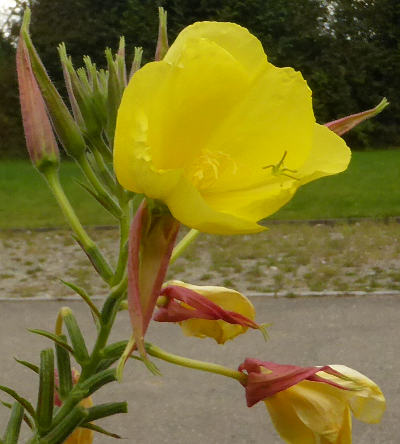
162,42
67,130
40,140
345,124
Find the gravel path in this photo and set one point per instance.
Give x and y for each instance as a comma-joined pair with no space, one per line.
287,260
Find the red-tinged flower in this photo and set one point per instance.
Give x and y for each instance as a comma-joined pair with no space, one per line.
312,405
152,237
207,311
345,124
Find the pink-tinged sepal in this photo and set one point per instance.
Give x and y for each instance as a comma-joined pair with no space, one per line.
196,306
152,237
265,379
40,139
345,124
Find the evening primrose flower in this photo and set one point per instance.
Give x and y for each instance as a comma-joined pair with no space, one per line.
313,404
207,311
219,134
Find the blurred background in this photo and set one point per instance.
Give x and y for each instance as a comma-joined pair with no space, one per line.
347,50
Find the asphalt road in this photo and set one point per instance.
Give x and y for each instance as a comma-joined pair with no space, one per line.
184,406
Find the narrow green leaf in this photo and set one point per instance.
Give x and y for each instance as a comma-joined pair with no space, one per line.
14,424
29,365
45,403
27,420
75,334
99,429
108,409
61,432
53,337
97,381
64,371
82,293
24,402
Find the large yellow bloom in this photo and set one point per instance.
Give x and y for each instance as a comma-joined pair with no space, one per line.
220,135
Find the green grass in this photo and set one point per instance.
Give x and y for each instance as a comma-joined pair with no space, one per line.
369,188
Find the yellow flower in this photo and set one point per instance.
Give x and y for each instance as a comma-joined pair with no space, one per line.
220,135
313,405
207,311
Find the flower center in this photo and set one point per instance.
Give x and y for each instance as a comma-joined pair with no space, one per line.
209,167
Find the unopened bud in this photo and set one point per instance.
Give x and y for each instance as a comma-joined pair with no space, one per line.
40,139
342,126
162,42
67,130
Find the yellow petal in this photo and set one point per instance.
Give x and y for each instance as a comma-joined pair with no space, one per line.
287,423
189,207
329,155
234,39
322,408
365,398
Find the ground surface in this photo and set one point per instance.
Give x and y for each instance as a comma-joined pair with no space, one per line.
188,407
287,260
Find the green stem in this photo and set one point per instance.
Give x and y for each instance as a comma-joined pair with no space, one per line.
194,363
124,224
88,245
102,193
104,171
183,244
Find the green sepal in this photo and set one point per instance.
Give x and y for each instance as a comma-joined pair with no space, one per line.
64,371
14,424
29,365
99,429
27,420
61,431
45,404
52,337
75,334
108,409
24,402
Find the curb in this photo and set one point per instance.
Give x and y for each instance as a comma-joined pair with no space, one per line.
281,294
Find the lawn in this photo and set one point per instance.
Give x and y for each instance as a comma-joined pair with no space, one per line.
369,188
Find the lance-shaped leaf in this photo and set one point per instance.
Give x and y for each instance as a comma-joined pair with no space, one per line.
14,424
40,140
45,402
151,240
345,124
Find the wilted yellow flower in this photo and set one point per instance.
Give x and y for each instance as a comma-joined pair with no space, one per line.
220,135
313,405
207,311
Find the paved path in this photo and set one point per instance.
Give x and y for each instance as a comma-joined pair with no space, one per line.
188,407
